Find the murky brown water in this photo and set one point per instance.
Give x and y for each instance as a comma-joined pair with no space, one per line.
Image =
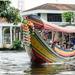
18,63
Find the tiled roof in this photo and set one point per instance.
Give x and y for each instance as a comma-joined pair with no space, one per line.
51,6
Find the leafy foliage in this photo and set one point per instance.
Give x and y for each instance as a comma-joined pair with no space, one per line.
17,44
10,13
68,16
4,7
13,15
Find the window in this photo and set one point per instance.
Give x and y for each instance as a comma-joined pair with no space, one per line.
54,17
6,35
39,14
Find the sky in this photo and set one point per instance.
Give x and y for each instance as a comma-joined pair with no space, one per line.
28,4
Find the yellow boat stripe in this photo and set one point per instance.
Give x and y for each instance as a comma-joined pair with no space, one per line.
41,49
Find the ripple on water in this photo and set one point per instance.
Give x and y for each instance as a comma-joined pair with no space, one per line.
18,63
13,63
67,73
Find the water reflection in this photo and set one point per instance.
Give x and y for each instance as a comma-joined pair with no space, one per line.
55,69
44,70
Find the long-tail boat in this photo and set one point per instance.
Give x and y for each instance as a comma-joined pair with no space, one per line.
40,51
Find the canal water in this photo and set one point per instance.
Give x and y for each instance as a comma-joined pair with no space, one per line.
18,63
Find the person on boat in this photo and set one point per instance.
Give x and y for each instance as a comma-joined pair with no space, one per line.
73,41
64,46
58,44
50,43
53,44
44,35
73,47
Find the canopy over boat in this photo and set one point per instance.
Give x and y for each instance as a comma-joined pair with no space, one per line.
50,26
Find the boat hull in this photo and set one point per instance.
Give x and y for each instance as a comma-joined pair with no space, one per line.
42,53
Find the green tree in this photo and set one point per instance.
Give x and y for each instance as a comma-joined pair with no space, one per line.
68,16
13,15
10,13
3,7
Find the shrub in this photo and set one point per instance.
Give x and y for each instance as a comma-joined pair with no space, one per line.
17,44
68,16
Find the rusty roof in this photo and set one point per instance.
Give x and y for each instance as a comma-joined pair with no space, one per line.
52,6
